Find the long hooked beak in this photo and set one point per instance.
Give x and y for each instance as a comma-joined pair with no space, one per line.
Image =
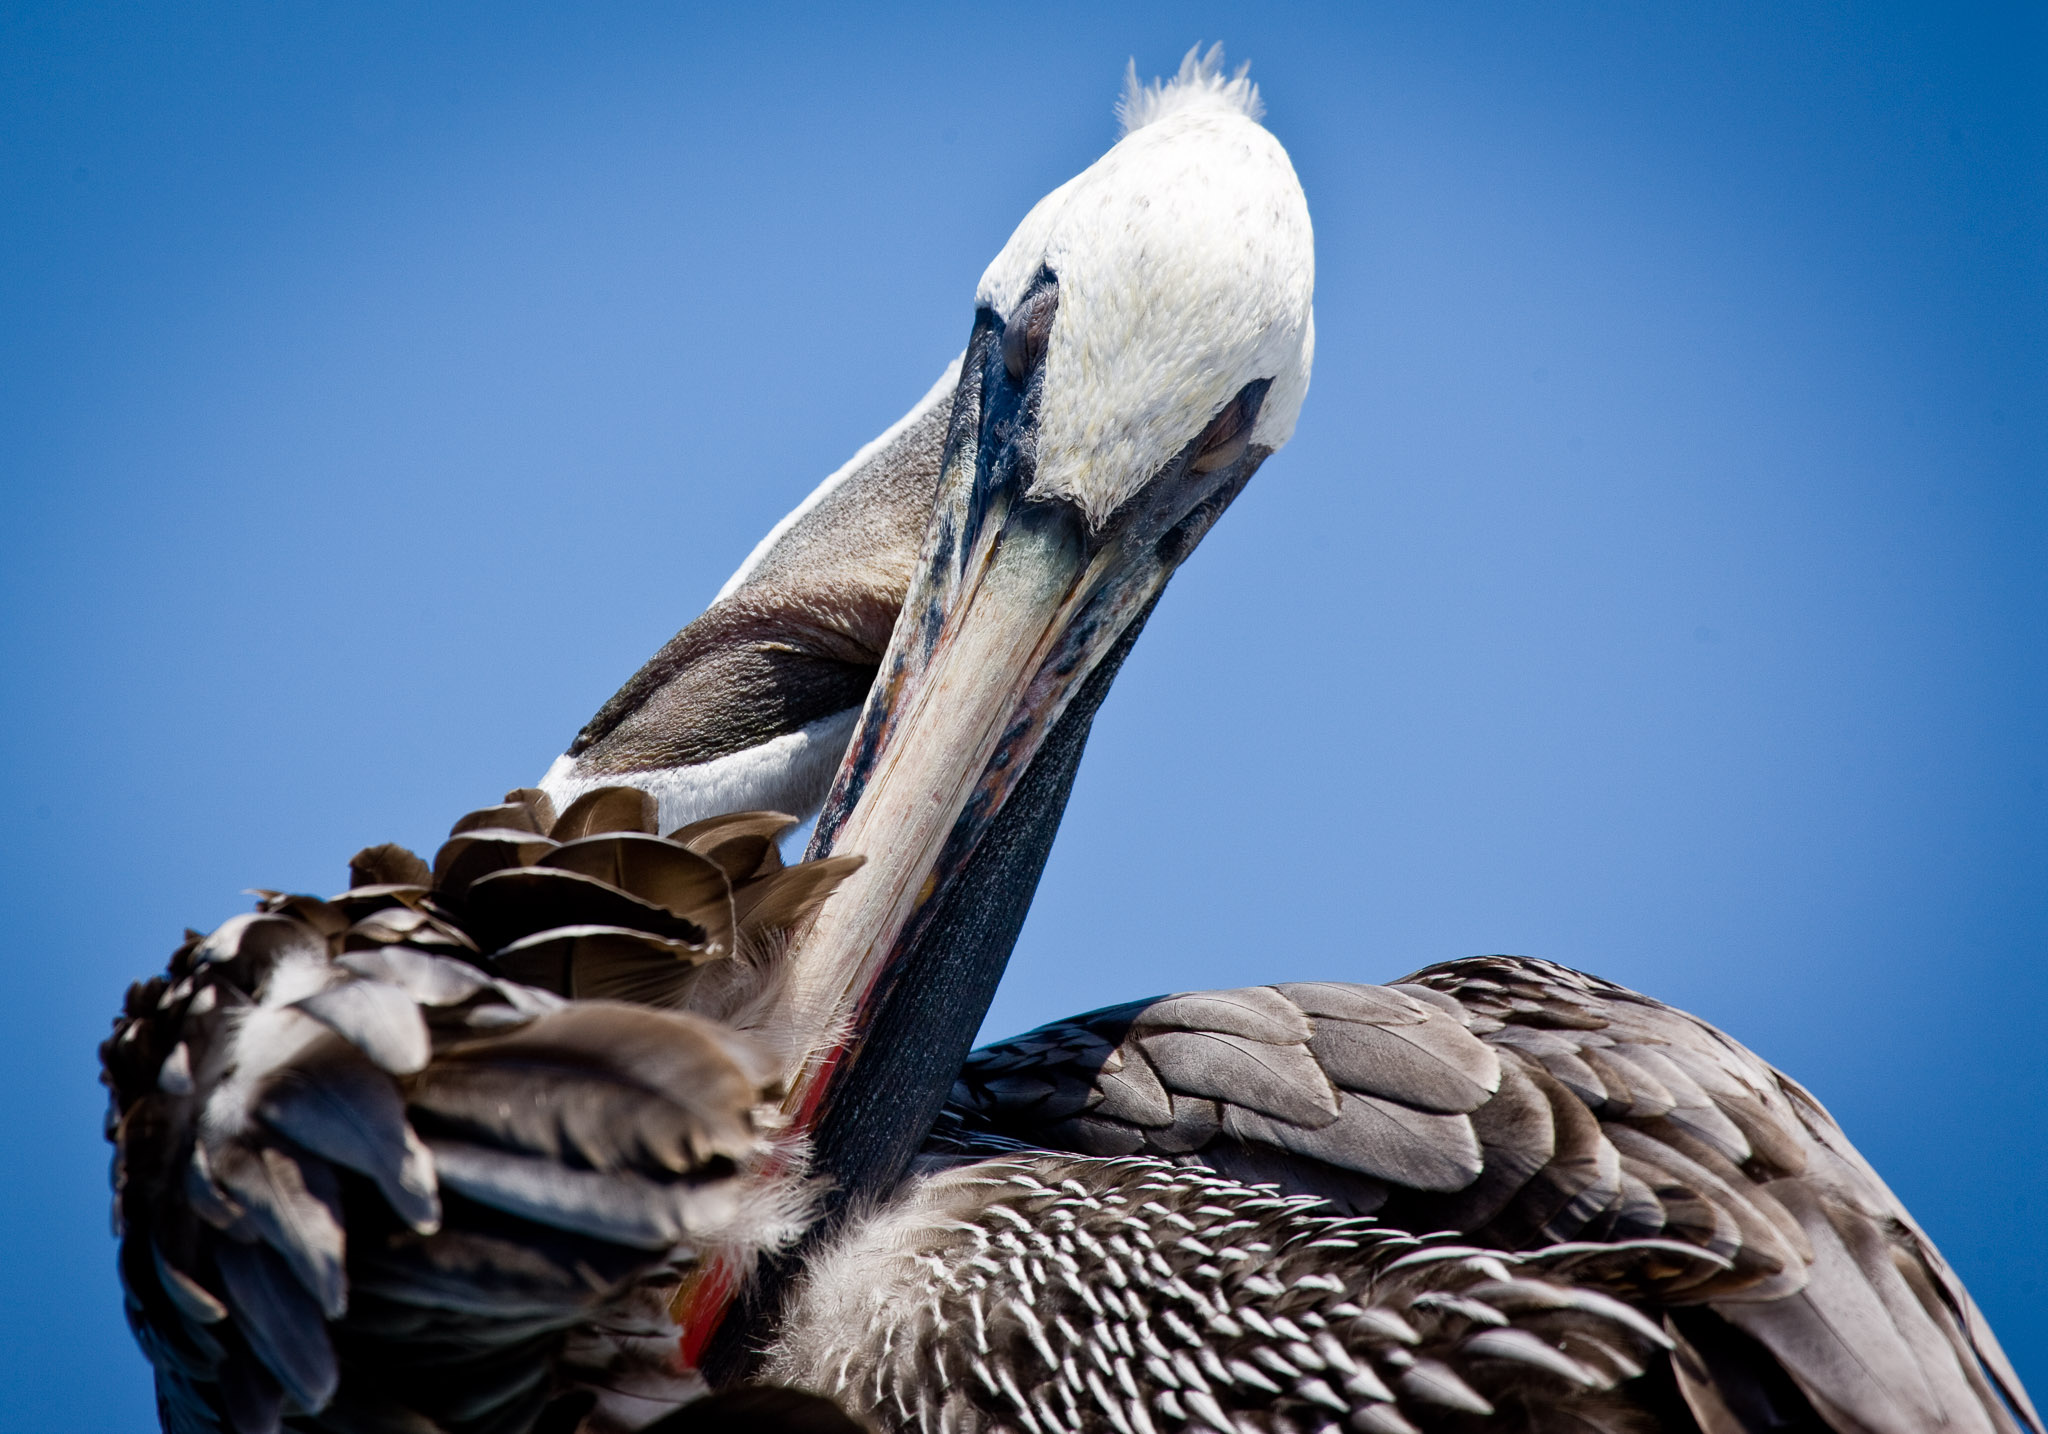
1018,603
1017,618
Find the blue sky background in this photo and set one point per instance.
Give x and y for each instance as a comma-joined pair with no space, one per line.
1656,584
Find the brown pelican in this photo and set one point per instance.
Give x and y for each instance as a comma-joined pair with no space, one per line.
470,1145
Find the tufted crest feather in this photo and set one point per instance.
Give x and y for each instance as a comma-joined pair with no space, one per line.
1200,84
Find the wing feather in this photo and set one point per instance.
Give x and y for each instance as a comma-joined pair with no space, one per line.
1279,1080
1375,1137
1526,1105
363,1184
1434,1064
281,1321
1135,1095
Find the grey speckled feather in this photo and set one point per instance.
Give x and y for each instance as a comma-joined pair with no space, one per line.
1052,1294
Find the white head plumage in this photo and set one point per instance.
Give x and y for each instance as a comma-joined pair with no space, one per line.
1186,268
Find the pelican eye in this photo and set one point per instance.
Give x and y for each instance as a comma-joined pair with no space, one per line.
1223,442
1025,335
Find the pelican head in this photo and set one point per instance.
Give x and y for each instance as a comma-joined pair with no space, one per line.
916,653
1153,314
1130,311
1140,346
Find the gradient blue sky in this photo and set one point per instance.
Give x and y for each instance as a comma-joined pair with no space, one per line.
1656,583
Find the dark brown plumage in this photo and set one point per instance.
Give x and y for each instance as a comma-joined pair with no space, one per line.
373,1169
